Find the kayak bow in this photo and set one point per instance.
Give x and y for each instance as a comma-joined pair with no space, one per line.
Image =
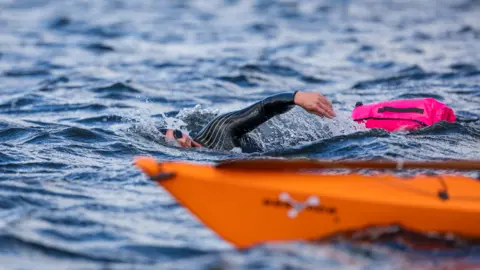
252,206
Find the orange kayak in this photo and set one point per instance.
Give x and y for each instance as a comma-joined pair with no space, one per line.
253,206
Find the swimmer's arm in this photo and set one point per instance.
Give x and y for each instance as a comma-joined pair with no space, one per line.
251,117
264,110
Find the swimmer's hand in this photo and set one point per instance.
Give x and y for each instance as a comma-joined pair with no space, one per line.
314,103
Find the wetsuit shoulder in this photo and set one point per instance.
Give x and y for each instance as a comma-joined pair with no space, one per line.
224,132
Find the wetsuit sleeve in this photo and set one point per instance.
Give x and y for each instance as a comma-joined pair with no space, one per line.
258,113
225,131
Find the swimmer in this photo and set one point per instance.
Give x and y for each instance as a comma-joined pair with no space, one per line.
227,131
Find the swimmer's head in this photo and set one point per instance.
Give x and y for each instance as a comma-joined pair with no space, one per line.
175,135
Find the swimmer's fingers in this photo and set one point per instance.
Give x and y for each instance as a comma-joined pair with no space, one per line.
322,99
320,111
326,106
328,112
323,110
327,103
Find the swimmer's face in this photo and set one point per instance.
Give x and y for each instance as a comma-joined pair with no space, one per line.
181,138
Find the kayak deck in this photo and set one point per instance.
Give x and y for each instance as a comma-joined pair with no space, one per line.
255,206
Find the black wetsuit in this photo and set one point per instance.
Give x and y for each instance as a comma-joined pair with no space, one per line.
227,131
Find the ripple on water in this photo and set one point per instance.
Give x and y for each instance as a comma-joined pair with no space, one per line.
117,88
27,72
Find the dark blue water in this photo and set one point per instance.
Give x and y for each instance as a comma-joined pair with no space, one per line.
85,84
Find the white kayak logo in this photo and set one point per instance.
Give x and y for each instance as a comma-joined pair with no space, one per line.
297,206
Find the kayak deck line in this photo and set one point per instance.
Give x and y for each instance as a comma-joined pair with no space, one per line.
248,207
296,164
